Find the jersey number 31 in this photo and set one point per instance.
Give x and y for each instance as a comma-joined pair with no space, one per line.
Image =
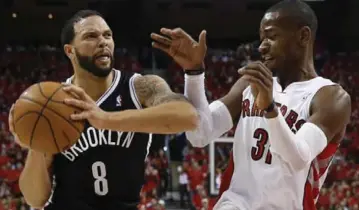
99,174
262,139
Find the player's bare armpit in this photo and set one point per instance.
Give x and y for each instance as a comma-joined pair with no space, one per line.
152,90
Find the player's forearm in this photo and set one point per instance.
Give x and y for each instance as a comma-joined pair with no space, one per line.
167,118
35,182
297,150
215,118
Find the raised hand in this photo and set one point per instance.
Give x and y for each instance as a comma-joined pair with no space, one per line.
187,52
261,81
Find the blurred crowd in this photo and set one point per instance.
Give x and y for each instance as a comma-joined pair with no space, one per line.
20,67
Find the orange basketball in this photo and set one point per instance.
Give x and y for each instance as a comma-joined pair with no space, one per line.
42,120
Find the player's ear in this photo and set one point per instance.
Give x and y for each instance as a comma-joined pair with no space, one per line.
305,36
69,51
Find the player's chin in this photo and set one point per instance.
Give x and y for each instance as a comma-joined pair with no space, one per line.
104,66
271,64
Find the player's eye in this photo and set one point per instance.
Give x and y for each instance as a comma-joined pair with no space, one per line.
108,35
90,36
272,36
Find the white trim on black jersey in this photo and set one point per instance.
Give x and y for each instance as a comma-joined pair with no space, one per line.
109,91
148,145
133,92
138,106
112,87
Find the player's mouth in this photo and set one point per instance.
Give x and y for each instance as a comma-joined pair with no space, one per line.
103,57
267,60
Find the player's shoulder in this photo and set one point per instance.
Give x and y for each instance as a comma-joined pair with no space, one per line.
149,80
334,92
327,87
332,99
125,75
322,81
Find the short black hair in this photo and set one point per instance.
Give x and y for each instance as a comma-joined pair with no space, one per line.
68,31
298,11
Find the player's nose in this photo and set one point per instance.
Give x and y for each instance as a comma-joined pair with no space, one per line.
263,48
103,42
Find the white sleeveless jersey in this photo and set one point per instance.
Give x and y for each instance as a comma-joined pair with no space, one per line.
259,180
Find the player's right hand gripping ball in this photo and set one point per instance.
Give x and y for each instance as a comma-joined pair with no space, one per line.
42,121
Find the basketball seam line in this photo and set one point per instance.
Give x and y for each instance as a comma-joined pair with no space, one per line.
52,132
52,100
41,111
36,102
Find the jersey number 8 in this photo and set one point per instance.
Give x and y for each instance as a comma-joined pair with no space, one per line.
99,173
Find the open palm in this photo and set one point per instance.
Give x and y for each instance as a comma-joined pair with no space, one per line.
187,52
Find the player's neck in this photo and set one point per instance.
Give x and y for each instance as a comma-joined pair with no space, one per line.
303,72
94,86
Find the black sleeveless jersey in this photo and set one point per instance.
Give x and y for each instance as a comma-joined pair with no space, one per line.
104,169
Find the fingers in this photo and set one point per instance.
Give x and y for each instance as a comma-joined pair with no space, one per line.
260,67
11,120
72,89
255,81
12,127
161,42
168,32
257,74
161,39
80,116
83,105
71,93
203,40
175,33
162,47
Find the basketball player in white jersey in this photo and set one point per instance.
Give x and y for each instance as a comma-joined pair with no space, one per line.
290,125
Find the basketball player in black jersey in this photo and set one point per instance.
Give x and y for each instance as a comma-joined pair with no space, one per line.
105,168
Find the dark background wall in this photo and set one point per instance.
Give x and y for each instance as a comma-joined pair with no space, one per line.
227,21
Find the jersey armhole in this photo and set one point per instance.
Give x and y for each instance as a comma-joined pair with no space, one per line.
308,105
133,92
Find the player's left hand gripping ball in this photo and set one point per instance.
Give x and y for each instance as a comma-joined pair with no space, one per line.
259,76
91,112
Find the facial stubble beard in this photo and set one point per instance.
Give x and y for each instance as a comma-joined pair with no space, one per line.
88,63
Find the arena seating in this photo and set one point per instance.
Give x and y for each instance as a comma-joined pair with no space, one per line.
20,67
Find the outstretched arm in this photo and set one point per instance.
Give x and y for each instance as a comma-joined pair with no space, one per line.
165,112
215,118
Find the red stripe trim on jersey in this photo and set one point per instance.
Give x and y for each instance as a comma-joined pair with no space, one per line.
328,151
317,169
226,176
307,196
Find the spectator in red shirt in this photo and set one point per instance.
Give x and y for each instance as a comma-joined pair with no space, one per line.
196,176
